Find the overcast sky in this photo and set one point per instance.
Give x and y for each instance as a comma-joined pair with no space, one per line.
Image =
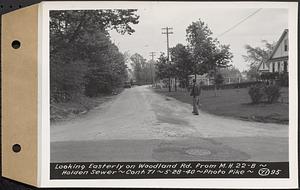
267,24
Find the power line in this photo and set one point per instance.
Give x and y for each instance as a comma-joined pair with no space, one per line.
234,26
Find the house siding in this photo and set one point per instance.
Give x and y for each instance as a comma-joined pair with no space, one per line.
281,51
281,66
280,55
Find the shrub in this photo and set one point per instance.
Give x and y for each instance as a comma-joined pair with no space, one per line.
284,79
256,93
272,93
219,79
269,76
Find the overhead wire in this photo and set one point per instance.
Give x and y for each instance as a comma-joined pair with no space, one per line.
240,22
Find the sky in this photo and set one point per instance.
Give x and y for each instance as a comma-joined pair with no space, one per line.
267,24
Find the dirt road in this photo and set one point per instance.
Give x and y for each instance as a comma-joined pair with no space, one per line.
140,125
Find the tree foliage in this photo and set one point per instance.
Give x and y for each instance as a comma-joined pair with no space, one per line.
207,52
162,67
182,61
257,55
202,54
143,71
83,60
230,72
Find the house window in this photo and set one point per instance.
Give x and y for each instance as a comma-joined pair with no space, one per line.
285,65
285,45
273,67
278,67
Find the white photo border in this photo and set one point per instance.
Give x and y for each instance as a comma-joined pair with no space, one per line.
44,103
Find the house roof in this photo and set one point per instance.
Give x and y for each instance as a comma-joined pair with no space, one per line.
258,68
278,42
275,48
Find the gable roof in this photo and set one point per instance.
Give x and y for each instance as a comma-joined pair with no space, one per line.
278,42
267,64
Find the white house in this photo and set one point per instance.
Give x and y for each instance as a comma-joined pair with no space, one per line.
202,79
278,61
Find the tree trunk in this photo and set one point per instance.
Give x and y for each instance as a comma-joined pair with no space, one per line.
169,84
215,89
175,85
187,82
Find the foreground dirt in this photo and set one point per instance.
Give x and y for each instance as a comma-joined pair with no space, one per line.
140,125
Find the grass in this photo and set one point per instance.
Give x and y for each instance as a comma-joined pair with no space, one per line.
236,103
76,107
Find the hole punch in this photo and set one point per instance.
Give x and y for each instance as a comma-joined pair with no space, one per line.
16,44
11,6
20,6
16,148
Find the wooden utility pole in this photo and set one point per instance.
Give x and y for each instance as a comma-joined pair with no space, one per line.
167,31
152,54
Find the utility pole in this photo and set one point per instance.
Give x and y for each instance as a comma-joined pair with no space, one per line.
152,54
167,31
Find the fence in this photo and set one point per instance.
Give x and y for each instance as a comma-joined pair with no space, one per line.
231,86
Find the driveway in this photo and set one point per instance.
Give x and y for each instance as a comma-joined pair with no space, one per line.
141,125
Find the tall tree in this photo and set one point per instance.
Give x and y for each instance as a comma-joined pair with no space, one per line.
183,63
200,44
208,54
142,69
81,50
162,66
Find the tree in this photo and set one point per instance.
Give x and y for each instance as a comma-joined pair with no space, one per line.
257,55
141,68
232,73
219,79
107,70
83,60
69,26
200,44
182,63
208,54
162,67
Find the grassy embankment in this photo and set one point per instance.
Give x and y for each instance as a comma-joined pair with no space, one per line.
237,103
78,106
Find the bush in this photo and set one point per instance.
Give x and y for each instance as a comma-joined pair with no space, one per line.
219,80
284,79
269,76
272,93
232,85
256,93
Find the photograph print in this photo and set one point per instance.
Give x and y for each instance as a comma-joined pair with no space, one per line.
169,83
